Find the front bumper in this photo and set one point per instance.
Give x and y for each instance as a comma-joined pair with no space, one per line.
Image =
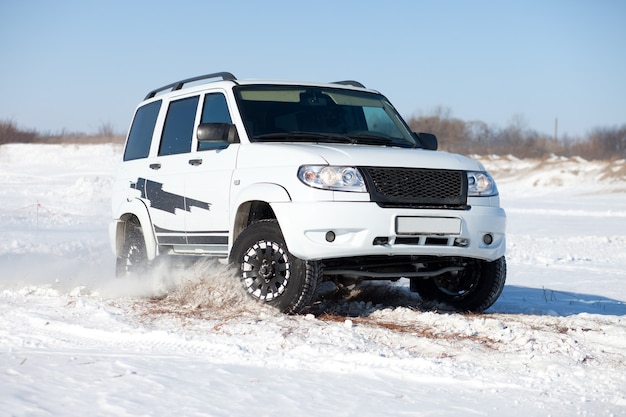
323,230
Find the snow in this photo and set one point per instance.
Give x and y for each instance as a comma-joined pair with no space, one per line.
75,341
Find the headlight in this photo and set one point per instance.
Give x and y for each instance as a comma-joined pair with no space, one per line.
480,184
334,178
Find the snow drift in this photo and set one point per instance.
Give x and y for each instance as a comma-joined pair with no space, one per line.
76,341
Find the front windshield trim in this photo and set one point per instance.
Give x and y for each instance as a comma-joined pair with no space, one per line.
320,114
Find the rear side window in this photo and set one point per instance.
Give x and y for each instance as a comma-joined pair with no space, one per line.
178,129
140,136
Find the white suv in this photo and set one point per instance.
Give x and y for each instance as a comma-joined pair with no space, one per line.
298,183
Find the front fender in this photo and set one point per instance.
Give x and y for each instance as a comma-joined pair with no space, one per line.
263,191
133,208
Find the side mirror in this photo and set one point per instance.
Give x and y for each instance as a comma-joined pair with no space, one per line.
428,140
217,132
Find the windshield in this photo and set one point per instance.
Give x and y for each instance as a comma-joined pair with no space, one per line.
273,113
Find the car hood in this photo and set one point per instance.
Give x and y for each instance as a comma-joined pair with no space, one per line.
258,154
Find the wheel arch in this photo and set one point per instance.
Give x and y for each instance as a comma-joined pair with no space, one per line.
253,204
135,210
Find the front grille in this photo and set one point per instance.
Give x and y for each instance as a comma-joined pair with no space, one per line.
416,187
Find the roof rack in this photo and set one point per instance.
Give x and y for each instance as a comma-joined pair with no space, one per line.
226,76
349,82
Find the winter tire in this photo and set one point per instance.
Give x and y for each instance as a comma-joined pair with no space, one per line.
271,274
473,289
133,258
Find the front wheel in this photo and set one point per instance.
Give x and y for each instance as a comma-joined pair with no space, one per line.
473,289
270,273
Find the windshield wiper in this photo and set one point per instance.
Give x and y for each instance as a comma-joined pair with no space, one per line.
363,138
304,137
377,139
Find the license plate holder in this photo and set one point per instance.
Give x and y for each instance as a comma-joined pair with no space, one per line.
423,225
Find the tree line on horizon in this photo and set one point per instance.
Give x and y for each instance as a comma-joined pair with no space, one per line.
478,138
454,135
11,133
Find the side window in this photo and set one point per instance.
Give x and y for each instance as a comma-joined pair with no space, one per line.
178,128
140,136
215,110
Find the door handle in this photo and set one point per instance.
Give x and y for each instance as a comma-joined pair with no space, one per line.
155,166
195,162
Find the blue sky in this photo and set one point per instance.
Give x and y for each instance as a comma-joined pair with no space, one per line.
78,65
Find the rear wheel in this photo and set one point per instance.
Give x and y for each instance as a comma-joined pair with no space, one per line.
474,289
270,273
133,258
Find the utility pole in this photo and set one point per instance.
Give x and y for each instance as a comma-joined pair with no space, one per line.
556,127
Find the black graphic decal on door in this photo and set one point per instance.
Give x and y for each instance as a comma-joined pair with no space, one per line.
164,200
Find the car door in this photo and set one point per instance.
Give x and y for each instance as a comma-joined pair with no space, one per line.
208,183
164,185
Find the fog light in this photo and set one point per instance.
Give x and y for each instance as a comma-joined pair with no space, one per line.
330,236
380,240
488,239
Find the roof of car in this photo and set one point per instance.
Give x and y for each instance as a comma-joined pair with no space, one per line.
228,77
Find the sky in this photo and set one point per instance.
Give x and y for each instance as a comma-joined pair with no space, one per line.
77,66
